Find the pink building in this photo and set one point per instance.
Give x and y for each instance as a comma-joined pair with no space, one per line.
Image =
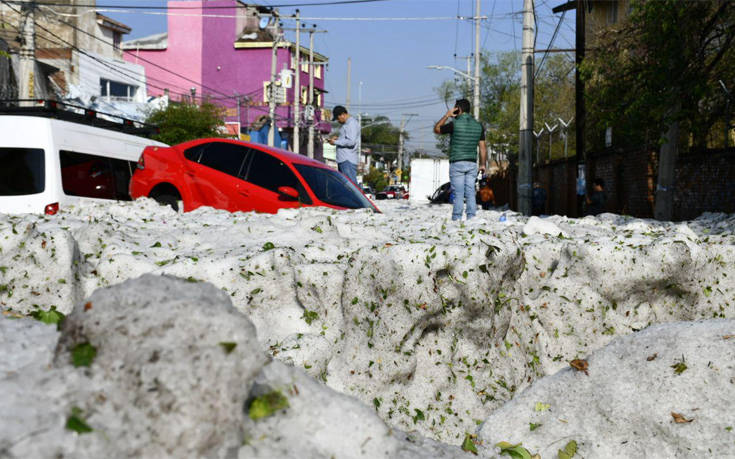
224,54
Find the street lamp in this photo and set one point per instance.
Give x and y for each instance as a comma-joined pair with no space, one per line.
475,80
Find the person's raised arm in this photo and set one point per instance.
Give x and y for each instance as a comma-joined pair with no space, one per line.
450,113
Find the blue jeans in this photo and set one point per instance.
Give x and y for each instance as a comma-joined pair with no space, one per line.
349,170
462,175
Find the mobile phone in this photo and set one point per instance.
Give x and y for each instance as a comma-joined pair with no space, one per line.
455,112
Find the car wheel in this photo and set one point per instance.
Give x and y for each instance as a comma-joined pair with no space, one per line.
167,200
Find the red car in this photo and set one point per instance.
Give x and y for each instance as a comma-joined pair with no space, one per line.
240,176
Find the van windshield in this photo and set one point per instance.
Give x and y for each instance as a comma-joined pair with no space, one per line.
21,171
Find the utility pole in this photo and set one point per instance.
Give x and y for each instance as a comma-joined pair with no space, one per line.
401,136
239,123
349,83
27,54
310,96
525,171
476,101
297,89
359,122
272,90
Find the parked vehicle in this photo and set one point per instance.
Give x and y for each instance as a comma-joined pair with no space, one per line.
368,191
442,195
55,154
392,192
240,176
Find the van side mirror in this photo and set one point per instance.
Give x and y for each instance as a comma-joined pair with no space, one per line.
288,192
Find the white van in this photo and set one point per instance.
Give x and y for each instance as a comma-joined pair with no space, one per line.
48,163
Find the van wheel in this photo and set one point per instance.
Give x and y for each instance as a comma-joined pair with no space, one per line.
167,200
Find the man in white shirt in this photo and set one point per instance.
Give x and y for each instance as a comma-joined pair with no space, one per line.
346,143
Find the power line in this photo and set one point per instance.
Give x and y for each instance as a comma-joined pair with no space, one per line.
551,43
202,7
303,18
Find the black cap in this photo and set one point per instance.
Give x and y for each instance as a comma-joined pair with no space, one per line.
338,110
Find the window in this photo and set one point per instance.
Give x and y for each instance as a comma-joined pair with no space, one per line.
116,38
222,156
318,71
333,188
92,176
304,95
114,90
271,173
22,171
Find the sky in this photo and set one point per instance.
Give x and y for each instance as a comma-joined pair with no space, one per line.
389,57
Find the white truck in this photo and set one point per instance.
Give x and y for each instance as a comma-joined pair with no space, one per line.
426,176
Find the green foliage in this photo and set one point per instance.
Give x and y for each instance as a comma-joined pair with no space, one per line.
379,131
76,423
267,404
680,366
569,450
309,316
376,179
532,426
180,122
268,246
381,135
83,354
419,416
663,63
514,451
541,406
228,346
50,317
469,445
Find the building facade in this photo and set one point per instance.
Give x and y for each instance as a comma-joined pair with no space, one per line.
226,58
78,56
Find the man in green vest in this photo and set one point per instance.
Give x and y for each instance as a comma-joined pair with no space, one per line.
466,134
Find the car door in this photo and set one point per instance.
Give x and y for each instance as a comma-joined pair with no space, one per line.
213,169
263,176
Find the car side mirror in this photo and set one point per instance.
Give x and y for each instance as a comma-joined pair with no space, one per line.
288,192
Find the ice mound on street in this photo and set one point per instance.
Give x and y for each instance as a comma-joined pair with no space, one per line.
171,375
431,324
321,423
667,391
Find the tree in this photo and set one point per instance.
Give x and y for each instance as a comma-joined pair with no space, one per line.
380,134
376,179
656,80
180,122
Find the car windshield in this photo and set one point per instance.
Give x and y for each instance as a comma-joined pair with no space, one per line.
22,171
333,188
